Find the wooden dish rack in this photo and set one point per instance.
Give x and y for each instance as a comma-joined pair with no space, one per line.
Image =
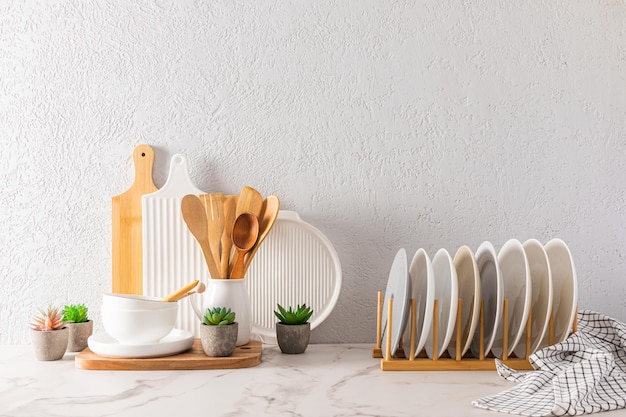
468,362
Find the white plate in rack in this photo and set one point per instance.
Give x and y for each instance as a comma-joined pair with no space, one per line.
469,292
541,301
565,288
447,294
517,289
296,264
492,296
398,289
423,291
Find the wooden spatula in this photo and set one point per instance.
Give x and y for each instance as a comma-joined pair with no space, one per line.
126,226
250,201
195,218
214,209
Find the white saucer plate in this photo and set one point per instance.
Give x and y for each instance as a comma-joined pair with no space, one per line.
175,342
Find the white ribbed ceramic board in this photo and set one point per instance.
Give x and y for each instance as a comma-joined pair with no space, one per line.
171,255
296,264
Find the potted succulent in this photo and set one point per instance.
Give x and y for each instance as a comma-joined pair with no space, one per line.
218,332
294,330
80,327
49,335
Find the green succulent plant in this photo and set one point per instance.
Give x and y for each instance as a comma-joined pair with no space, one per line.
218,316
75,313
301,315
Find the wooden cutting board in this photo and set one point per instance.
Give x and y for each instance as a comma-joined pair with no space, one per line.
127,225
244,356
172,257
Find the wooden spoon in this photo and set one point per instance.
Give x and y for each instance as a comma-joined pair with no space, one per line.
213,207
229,209
180,293
200,288
195,218
269,213
245,235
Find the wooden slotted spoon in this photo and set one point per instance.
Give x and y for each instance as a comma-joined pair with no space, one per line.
230,211
213,207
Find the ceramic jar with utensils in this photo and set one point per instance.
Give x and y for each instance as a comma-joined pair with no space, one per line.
229,230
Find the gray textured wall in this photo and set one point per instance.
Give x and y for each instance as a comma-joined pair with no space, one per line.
384,124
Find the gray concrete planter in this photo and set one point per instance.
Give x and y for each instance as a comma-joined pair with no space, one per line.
79,332
219,341
50,345
293,338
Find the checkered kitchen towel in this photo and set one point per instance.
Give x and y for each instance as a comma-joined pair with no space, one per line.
584,374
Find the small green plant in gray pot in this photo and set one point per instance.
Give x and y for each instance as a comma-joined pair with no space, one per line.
79,325
48,334
218,332
293,331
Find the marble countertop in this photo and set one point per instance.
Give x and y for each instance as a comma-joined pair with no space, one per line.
327,380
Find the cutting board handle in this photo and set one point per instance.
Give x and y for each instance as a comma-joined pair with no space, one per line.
178,178
143,156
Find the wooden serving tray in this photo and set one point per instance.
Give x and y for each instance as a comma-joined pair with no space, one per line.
194,358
